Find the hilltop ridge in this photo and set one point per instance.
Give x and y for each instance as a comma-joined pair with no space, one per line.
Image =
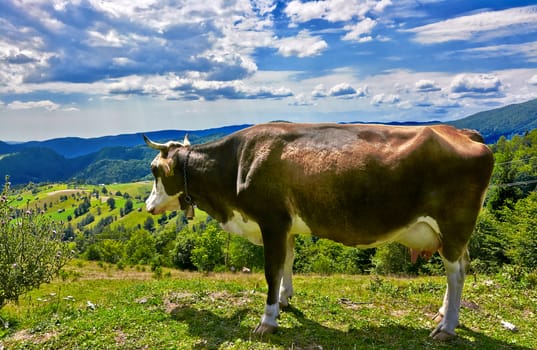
125,158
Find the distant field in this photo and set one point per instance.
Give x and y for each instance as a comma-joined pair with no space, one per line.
182,310
61,200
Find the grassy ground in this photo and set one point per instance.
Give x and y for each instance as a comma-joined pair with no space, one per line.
133,310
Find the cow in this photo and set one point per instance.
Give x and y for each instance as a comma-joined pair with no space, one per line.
358,184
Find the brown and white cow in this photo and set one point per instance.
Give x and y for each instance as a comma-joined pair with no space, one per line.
361,185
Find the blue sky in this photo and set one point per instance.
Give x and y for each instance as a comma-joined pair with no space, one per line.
101,67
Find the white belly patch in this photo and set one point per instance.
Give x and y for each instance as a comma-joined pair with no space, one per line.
424,234
243,226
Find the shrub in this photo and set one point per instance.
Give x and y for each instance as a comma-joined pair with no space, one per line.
487,244
182,252
325,256
111,250
31,249
243,253
392,258
208,252
140,248
522,231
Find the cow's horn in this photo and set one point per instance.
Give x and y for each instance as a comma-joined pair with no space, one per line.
186,141
154,145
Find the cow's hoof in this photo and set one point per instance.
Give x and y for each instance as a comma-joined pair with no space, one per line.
441,335
284,305
438,317
264,328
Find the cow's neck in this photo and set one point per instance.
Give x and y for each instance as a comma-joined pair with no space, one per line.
210,180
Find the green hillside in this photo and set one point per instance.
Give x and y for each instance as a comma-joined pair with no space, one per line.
110,164
66,203
505,121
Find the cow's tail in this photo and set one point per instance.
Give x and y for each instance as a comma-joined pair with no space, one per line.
473,135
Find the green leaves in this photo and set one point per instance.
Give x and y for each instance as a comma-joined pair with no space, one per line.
31,249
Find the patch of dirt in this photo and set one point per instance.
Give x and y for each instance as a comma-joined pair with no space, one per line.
469,305
180,300
174,300
66,192
355,304
36,338
399,313
120,337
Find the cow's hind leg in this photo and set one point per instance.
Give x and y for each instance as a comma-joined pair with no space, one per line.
456,272
286,288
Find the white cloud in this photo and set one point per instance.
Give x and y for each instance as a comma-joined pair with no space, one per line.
264,7
356,13
303,45
527,50
34,9
381,5
475,84
425,85
20,59
300,12
46,104
342,90
385,99
319,91
109,39
172,87
301,100
224,65
133,84
332,10
360,31
123,61
480,26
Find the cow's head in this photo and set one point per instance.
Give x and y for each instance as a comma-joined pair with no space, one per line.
169,183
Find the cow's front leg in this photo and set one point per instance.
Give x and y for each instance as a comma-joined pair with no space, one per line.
274,243
286,288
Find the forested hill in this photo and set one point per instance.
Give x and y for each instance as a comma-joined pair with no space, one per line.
505,121
124,158
72,147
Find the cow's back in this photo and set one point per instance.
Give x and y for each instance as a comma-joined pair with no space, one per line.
356,183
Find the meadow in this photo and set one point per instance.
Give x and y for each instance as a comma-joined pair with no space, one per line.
98,306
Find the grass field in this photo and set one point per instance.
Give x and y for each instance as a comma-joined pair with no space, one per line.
60,201
183,310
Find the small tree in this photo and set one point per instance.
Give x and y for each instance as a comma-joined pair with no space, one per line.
393,258
128,206
31,249
208,253
149,224
111,203
140,248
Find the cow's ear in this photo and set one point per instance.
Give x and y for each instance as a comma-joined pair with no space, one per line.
186,141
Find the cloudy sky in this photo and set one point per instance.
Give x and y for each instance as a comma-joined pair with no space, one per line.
100,67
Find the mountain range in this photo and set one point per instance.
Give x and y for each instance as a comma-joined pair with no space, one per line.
125,158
